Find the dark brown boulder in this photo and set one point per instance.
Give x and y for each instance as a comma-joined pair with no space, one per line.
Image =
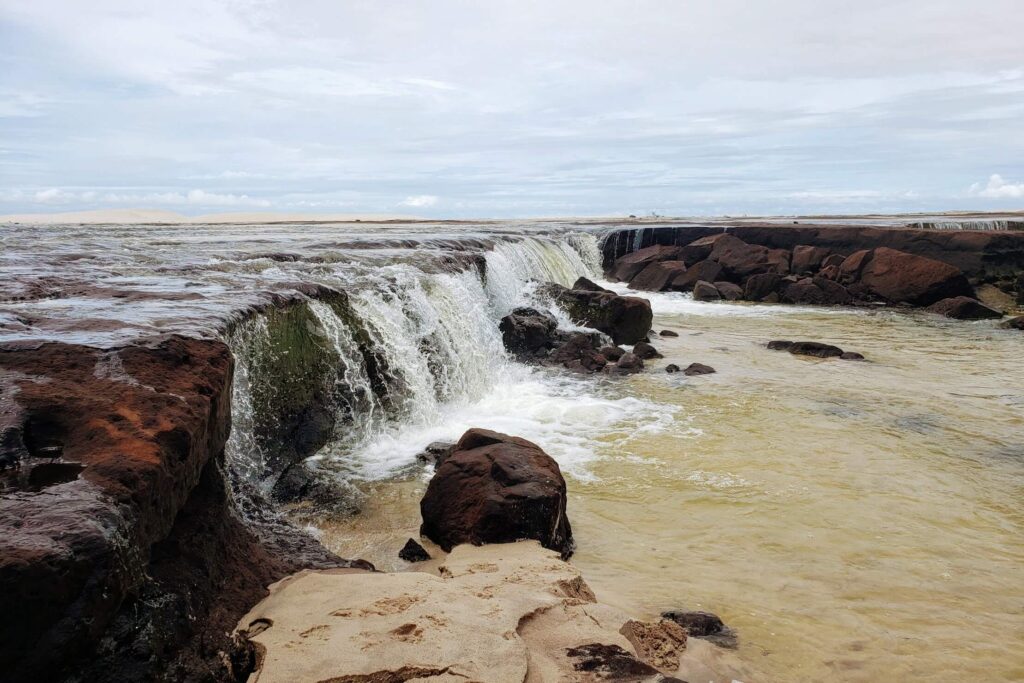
496,488
526,332
851,355
808,259
413,552
702,270
672,367
830,272
815,349
729,291
964,308
759,287
668,333
832,261
628,364
588,285
656,276
645,351
626,319
626,268
705,291
694,369
1014,323
780,345
740,260
900,277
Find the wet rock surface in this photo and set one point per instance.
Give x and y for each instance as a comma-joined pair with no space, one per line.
813,349
626,319
496,488
965,308
413,552
704,625
1014,323
696,369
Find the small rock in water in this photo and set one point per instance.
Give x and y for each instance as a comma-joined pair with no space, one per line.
672,367
1014,323
965,308
668,333
815,349
779,345
704,625
435,452
645,351
628,364
612,353
413,552
851,355
698,369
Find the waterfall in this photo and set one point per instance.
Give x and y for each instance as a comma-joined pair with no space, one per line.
404,346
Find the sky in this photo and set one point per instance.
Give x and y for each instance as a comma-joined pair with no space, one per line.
488,108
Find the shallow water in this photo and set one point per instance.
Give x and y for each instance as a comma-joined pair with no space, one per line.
855,521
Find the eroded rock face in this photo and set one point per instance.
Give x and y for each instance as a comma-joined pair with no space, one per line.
496,488
900,277
964,308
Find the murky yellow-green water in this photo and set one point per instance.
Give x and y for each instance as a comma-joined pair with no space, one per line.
853,521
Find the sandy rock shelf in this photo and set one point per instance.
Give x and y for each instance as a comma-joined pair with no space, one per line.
497,613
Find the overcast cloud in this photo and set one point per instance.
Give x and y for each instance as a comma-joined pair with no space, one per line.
483,108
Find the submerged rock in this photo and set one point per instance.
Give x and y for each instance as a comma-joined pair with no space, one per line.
496,488
435,452
671,367
851,355
612,353
579,353
965,308
779,345
1014,323
694,369
645,351
668,333
816,349
413,552
704,625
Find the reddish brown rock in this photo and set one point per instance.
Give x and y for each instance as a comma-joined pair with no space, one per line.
851,267
729,291
759,287
964,308
1014,323
819,291
695,369
808,259
656,276
496,488
700,249
628,266
579,353
832,261
590,285
645,351
816,349
702,270
527,332
628,364
900,277
740,260
705,291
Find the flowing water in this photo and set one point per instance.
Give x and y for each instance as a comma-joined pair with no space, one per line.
855,521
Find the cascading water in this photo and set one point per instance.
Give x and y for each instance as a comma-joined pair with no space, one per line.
440,360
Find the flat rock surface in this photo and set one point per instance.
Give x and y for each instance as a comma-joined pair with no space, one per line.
497,613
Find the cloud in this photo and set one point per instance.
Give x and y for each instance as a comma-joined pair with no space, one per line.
420,201
55,195
997,188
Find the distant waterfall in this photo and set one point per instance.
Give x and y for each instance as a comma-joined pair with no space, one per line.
402,343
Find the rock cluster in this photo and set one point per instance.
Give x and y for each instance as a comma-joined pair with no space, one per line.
723,267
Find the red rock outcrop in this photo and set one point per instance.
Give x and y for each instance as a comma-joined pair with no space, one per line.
900,277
